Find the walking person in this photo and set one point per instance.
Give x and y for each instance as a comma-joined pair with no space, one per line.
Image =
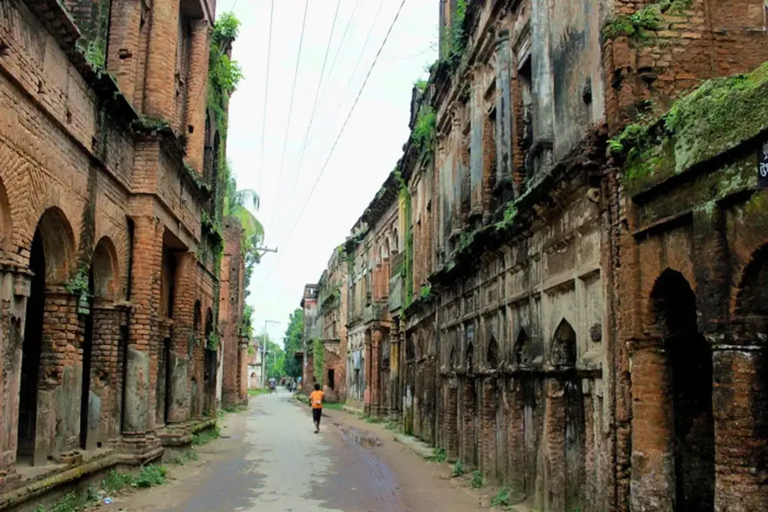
316,403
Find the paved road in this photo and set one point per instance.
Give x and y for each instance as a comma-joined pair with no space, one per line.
270,460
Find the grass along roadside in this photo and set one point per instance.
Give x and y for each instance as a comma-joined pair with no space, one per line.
113,484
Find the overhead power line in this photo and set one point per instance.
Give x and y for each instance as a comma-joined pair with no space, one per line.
290,113
317,93
343,126
266,94
354,70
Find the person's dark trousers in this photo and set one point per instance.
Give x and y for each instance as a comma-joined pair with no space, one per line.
316,415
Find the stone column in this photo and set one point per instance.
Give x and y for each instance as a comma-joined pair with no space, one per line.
197,82
144,323
160,83
14,293
450,418
183,331
653,472
741,444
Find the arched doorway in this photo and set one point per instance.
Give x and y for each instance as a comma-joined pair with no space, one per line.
209,367
39,420
101,403
32,349
689,373
564,354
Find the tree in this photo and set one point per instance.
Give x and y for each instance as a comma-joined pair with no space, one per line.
275,359
293,337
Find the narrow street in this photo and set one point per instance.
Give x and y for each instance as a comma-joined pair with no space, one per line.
268,459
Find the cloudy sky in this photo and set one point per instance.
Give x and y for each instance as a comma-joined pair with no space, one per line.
367,149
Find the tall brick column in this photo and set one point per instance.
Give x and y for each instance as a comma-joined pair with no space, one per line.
14,293
488,432
144,336
183,332
450,418
243,370
197,84
740,426
554,445
375,380
368,372
105,402
468,413
57,432
159,99
653,472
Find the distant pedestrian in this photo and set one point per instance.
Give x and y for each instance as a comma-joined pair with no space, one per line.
316,403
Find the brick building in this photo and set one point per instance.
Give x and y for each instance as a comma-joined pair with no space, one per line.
107,177
311,333
332,326
581,302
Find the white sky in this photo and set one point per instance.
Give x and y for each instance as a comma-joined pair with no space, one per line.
367,151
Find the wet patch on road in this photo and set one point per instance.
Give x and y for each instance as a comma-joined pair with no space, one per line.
360,437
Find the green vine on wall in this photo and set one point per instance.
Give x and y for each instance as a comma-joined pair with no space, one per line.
636,26
318,352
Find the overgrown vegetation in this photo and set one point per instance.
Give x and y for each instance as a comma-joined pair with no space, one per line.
477,479
438,455
189,455
206,436
318,354
293,343
502,498
636,26
456,38
424,131
148,476
458,469
720,114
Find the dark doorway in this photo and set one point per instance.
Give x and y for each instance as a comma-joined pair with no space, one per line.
31,350
163,382
331,381
690,372
85,389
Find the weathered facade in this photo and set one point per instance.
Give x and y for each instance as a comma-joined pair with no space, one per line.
110,274
580,301
311,333
332,327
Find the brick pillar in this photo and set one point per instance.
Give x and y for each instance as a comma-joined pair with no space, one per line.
243,370
14,293
368,373
57,433
741,440
105,402
124,48
197,84
488,436
467,425
653,472
450,418
516,436
144,325
159,95
554,446
394,365
375,375
183,332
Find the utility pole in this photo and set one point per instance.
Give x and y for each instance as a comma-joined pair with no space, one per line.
263,349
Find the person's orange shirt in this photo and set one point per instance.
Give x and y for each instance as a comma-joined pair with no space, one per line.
316,399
